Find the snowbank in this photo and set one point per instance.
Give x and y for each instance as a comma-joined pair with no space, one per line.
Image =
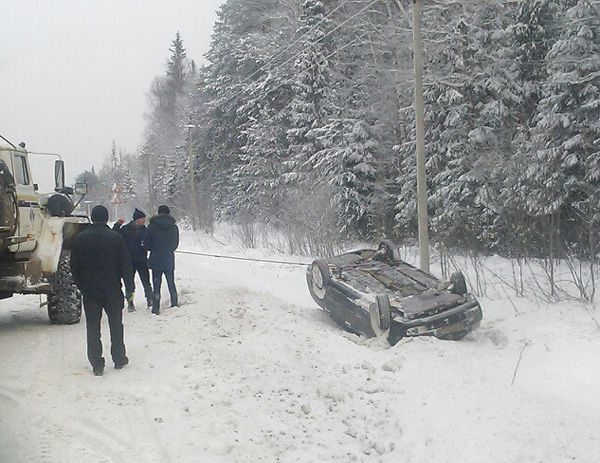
249,369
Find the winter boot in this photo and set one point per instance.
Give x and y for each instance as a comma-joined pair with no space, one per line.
122,363
98,371
130,306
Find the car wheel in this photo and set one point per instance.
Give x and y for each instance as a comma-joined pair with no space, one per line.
459,284
396,334
319,276
392,252
380,315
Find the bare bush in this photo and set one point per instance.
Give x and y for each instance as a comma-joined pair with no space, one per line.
310,223
246,230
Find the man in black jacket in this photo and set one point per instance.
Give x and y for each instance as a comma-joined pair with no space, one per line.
99,261
162,241
134,234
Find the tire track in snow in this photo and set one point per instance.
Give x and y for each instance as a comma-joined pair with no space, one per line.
146,438
7,398
48,426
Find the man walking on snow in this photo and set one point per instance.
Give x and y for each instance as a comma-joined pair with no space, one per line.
162,241
134,234
99,261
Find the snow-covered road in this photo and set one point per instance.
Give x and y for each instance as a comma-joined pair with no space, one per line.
249,369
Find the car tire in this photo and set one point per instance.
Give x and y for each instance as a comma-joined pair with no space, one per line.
319,277
64,302
397,333
459,284
392,252
381,317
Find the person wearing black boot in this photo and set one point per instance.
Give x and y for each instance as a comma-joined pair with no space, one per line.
99,261
162,241
134,234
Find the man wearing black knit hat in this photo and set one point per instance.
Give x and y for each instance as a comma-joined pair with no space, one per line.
134,234
99,261
162,241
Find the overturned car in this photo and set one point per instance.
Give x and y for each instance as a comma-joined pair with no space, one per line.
372,292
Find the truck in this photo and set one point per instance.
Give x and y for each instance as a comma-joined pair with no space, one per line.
36,234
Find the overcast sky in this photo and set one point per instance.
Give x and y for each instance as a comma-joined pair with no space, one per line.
74,74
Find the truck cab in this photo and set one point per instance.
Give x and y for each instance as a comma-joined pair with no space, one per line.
36,234
30,217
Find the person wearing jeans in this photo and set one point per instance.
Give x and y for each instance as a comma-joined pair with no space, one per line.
134,235
162,240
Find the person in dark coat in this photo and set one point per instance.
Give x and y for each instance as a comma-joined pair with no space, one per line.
162,241
99,261
134,234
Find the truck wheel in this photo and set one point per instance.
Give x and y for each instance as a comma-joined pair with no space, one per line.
64,302
381,317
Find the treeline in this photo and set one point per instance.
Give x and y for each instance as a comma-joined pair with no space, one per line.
303,119
120,169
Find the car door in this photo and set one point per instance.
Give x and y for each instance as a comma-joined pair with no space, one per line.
27,199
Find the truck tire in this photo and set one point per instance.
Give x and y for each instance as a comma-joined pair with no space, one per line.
64,302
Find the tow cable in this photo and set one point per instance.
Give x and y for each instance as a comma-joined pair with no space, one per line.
249,259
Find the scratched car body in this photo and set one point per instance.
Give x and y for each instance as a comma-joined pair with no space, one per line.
372,292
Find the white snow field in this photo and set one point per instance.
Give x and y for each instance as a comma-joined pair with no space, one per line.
250,369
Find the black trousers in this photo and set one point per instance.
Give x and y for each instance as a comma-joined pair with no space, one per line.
157,282
113,306
142,270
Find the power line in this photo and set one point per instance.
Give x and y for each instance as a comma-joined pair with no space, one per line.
306,48
322,61
280,53
274,68
273,58
247,259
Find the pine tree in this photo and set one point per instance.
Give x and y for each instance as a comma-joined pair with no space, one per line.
313,101
177,69
521,62
166,179
239,90
532,34
115,163
357,179
170,99
128,185
567,134
256,179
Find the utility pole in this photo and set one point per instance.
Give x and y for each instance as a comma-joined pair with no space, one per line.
193,204
150,195
420,125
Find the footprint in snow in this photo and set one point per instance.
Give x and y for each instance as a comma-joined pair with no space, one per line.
497,337
392,365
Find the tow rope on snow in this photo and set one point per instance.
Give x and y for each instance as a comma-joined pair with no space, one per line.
268,261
